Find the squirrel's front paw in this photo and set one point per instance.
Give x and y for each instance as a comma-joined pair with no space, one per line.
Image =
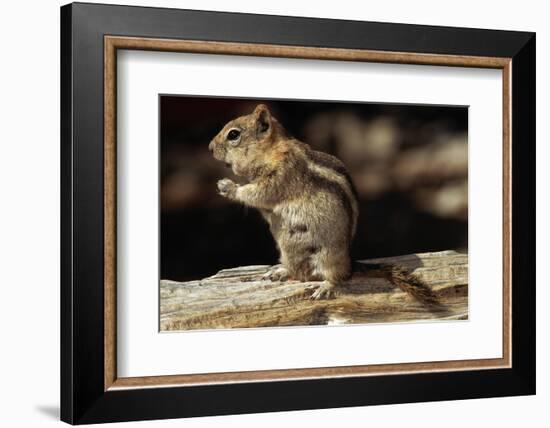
227,188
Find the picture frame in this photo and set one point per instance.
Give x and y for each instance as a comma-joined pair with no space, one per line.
91,390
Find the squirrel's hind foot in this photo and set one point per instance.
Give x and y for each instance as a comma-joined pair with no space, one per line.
322,290
276,273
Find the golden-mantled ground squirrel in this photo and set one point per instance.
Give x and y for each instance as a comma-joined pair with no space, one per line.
308,199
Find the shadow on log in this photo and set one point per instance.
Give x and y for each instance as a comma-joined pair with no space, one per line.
239,298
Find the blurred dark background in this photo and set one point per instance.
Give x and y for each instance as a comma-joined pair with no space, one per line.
408,162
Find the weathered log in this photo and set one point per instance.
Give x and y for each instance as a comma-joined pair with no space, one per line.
239,298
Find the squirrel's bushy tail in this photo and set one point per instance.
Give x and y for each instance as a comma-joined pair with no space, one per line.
402,278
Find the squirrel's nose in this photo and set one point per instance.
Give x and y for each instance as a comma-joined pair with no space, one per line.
211,146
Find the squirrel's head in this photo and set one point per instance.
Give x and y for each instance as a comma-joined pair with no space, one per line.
244,142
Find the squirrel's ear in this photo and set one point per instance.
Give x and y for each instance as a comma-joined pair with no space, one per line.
263,119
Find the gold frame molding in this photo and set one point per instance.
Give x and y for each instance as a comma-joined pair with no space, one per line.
113,43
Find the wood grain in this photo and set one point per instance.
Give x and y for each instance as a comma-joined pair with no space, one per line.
109,210
240,298
303,52
113,43
307,373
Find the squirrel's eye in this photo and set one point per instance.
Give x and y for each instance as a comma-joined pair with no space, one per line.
233,135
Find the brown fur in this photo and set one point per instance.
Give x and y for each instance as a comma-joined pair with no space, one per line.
306,196
400,277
